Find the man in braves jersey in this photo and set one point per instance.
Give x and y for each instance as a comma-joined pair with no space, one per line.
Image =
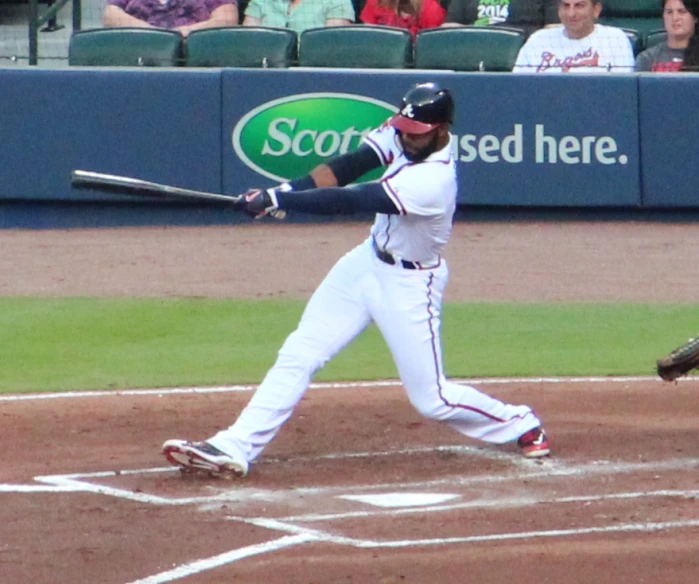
395,279
579,46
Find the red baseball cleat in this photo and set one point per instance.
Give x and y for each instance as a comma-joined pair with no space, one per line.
534,444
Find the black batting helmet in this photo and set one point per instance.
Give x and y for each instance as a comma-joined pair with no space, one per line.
424,107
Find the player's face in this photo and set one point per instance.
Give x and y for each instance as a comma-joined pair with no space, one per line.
679,23
417,147
578,17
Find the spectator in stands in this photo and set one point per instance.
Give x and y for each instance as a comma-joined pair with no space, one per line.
579,46
528,15
669,55
531,15
299,15
461,12
412,15
184,16
691,53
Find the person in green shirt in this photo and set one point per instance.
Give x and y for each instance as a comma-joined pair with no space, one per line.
299,15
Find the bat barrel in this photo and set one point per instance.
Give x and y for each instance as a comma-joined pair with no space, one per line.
124,185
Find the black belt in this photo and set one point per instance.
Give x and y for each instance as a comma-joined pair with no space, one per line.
387,258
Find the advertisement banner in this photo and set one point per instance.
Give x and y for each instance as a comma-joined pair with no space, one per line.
520,139
668,104
157,125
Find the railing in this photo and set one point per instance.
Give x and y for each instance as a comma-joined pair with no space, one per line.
36,20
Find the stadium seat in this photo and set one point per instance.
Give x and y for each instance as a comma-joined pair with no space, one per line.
468,48
637,41
125,47
655,37
641,15
356,46
241,46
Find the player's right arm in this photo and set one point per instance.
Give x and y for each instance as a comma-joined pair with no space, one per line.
375,151
324,190
338,172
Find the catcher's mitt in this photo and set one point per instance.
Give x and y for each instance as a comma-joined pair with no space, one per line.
680,362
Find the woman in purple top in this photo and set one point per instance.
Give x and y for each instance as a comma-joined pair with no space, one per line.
183,16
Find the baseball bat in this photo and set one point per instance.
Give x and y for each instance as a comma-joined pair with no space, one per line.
124,185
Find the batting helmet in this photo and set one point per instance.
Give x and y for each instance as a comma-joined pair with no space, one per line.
424,107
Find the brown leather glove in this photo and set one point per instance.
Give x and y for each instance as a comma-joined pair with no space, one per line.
680,362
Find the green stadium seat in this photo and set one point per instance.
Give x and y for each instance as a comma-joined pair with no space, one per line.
125,47
356,46
242,46
655,37
468,48
641,15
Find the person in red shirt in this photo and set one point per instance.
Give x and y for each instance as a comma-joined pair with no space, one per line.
413,15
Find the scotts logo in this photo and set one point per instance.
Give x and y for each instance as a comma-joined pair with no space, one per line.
287,137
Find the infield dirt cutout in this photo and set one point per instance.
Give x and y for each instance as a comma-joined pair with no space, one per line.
357,487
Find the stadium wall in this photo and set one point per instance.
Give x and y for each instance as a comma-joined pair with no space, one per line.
603,141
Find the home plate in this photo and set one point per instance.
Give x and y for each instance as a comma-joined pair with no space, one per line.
401,499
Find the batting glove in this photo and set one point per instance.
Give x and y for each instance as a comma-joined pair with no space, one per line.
258,203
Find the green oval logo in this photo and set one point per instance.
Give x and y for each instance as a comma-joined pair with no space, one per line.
286,138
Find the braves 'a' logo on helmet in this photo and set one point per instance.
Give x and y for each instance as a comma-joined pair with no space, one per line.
407,111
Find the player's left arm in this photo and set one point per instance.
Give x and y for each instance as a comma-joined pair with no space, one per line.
366,197
400,194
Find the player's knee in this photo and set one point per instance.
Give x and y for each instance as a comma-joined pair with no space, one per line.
305,364
432,411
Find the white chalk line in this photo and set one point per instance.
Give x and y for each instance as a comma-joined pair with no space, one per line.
297,535
67,483
546,469
77,482
323,537
186,570
330,385
499,503
300,535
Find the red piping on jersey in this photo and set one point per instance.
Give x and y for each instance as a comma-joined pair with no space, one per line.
394,195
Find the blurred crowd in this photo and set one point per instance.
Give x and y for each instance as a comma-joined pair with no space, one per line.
561,35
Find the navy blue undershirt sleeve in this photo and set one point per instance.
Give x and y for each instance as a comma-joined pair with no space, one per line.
366,197
347,168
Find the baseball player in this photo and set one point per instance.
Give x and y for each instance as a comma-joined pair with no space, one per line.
395,278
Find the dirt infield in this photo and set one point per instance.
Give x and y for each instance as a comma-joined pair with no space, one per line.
357,487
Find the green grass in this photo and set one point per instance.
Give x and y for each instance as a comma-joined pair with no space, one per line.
86,343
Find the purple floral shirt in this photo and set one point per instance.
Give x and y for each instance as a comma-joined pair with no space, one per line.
170,13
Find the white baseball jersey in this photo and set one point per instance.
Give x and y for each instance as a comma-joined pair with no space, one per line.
402,295
549,50
424,192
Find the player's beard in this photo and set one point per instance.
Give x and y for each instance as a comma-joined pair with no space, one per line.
422,153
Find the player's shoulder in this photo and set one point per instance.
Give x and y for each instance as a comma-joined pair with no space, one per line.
438,169
383,141
385,127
